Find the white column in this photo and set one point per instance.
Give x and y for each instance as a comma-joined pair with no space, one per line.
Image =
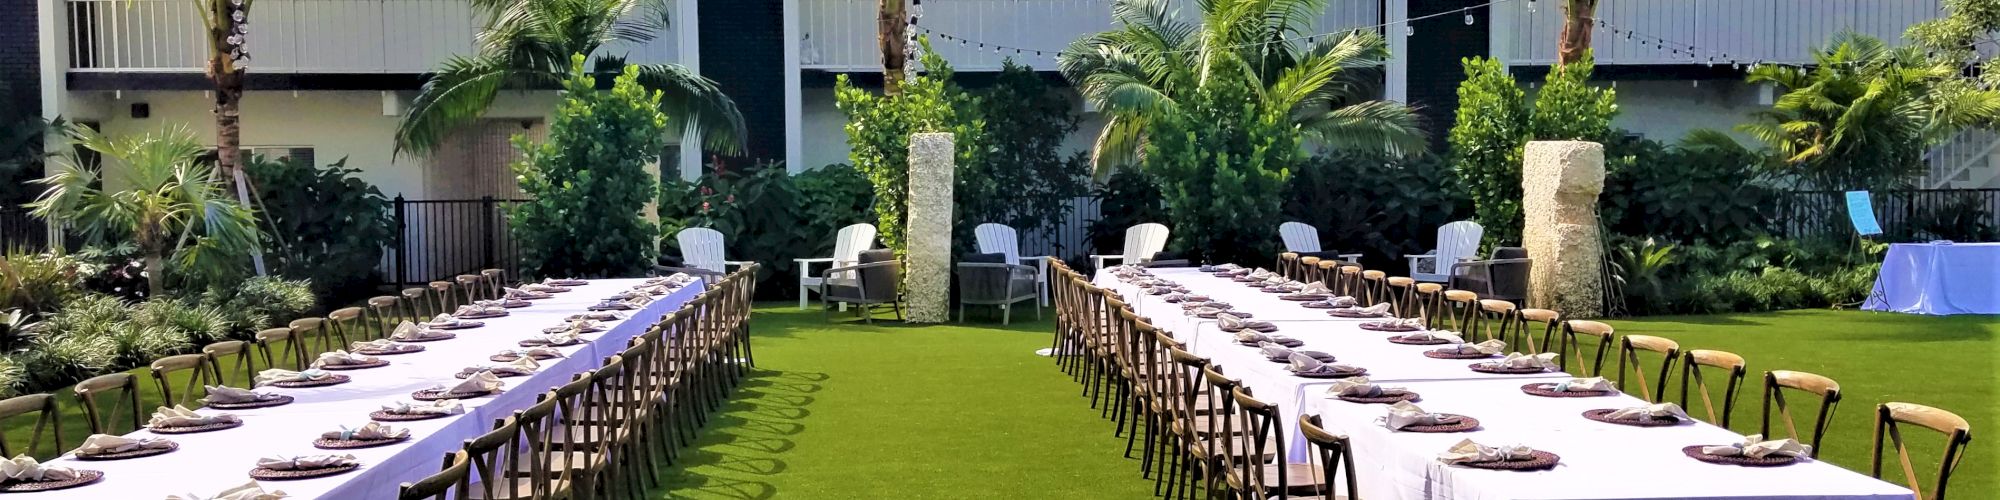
52,29
688,41
1500,32
1397,86
795,145
927,235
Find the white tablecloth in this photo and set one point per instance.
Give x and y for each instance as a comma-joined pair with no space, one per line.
1403,465
210,462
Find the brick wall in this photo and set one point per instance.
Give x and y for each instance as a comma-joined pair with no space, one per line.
742,50
1435,51
20,56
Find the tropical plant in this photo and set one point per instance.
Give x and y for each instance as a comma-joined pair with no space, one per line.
38,283
1706,188
1147,69
1863,114
588,182
1380,205
1640,268
768,215
1020,175
1128,198
118,270
1568,108
528,44
326,226
1221,173
169,203
1486,146
259,303
75,343
878,134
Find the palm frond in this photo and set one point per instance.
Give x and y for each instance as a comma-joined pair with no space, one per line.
1384,126
698,103
454,97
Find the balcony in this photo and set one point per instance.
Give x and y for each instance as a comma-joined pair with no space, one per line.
293,36
839,35
1781,31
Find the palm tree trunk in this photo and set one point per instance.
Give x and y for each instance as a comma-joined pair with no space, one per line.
1577,25
890,35
228,79
156,274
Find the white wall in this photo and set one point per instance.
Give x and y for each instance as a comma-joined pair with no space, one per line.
826,142
1665,110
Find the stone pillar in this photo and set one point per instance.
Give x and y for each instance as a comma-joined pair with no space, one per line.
927,283
1560,181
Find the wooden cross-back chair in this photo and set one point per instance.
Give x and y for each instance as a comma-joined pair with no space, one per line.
499,459
289,348
384,313
1459,311
1332,452
47,417
1374,287
1828,391
1694,379
242,355
1427,301
1350,282
344,325
103,396
1571,346
417,301
1401,289
495,280
1264,432
471,287
199,373
311,337
454,481
1889,421
441,297
534,464
1220,451
1497,319
1629,347
1550,322
1308,269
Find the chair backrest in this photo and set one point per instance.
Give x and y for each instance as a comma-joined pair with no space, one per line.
497,452
880,282
1693,379
291,348
453,481
1510,280
1570,345
241,359
387,312
1775,384
1263,432
1457,240
104,395
1331,451
1299,237
1889,418
344,325
702,248
199,375
46,417
851,241
1628,351
418,303
1000,239
1144,240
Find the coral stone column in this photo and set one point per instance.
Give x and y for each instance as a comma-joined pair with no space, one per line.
1560,181
928,234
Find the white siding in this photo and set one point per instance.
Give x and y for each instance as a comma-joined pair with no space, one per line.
1744,30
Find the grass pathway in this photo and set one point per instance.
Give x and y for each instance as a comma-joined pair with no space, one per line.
845,410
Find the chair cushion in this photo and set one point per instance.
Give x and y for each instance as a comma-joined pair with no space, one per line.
881,282
982,284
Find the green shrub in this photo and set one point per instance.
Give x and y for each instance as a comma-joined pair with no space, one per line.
1486,145
1128,197
325,225
767,215
1379,205
13,374
259,303
878,134
589,182
1019,175
115,270
1706,188
1222,163
39,283
78,342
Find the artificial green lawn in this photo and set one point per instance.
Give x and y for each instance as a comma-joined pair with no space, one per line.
845,410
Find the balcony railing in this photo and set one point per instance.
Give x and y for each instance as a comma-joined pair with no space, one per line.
293,36
1780,31
839,35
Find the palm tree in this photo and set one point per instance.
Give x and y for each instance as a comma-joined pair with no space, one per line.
171,204
1142,70
1863,114
527,44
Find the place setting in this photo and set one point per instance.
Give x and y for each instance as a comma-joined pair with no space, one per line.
520,367
1309,293
480,310
1652,415
1250,338
231,398
1518,364
404,411
180,420
1305,366
1230,322
1467,453
1394,325
511,293
581,325
104,447
1362,391
452,322
1589,387
480,384
1332,302
23,474
1482,350
246,491
558,339
369,435
411,332
312,377
1427,337
282,468
538,352
339,360
385,347
1752,451
1405,416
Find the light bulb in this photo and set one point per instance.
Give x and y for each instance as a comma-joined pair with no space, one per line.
1409,30
1469,20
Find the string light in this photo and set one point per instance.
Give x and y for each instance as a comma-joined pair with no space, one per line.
1409,29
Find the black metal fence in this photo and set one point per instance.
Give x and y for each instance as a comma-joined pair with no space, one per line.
1905,215
22,231
439,239
1068,237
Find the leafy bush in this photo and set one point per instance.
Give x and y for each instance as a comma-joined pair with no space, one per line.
878,134
116,270
1222,163
589,181
76,343
1486,146
1379,205
766,215
1018,175
1129,197
1706,188
1746,276
259,303
13,374
1962,216
325,225
39,283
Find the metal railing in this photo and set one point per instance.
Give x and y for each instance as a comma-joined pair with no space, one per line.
1967,160
438,239
1905,215
22,231
1780,31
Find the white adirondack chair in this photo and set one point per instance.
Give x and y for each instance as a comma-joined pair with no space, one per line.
702,248
1141,242
847,247
1303,238
1457,242
1002,239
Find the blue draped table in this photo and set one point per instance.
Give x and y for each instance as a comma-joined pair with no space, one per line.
1939,279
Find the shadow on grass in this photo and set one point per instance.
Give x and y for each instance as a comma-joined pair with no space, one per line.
745,442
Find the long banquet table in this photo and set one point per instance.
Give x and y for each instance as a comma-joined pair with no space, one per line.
213,461
1599,461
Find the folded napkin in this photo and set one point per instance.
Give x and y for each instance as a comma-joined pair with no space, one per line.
342,357
1649,411
1546,361
25,468
1340,302
1408,323
308,462
1252,337
524,366
230,395
562,338
562,281
1427,335
541,287
530,352
1261,274
1467,452
1404,414
275,375
1381,309
1233,322
652,290
371,432
1304,364
440,320
1275,351
1315,288
598,316
1489,347
482,307
1754,446
99,444
248,491
1584,385
1206,310
410,331
637,302
1229,267
479,383
376,345
439,407
180,416
585,325
1354,386
517,293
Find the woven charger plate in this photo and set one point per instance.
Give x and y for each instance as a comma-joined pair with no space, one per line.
1399,339
1317,305
276,400
1694,452
1491,368
509,358
198,428
1548,390
457,326
1258,327
1461,425
1378,327
263,474
1456,355
357,366
1603,415
1387,397
1287,343
1345,313
1542,460
495,374
560,329
482,315
434,395
617,307
83,477
350,444
566,282
334,379
1334,374
383,416
138,453
434,337
1322,357
515,304
388,352
1302,297
540,343
1243,315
